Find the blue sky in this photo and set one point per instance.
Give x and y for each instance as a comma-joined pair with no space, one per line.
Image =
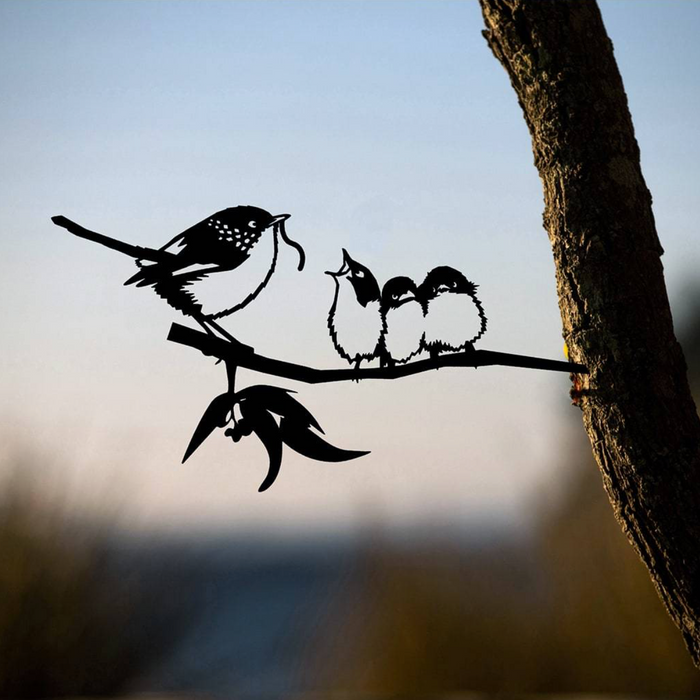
387,128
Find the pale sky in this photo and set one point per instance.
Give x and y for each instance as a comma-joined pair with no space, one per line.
387,128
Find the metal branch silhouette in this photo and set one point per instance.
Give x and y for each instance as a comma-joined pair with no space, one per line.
245,356
442,316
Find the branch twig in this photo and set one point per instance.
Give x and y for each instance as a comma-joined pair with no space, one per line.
223,350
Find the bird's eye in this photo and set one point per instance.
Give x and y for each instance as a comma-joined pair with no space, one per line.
252,224
359,274
395,296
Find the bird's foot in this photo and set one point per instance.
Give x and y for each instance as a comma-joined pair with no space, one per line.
356,368
469,349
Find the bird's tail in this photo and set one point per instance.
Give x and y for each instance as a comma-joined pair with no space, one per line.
134,251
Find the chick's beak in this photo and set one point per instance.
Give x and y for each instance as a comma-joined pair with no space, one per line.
344,268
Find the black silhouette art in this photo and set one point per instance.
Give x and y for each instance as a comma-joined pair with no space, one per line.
403,321
197,263
245,357
393,326
355,320
258,406
454,317
443,314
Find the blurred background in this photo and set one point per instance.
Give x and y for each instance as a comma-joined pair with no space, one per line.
474,548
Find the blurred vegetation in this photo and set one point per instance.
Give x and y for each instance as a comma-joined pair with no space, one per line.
569,609
74,620
87,609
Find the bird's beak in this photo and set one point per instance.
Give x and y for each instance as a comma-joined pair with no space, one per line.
344,268
442,288
278,219
406,298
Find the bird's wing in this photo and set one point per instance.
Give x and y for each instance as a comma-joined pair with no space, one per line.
200,236
180,238
196,271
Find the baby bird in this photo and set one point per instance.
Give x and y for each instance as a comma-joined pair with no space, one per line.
403,318
454,317
355,321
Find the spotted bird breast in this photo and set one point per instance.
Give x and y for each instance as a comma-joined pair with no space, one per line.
221,239
220,292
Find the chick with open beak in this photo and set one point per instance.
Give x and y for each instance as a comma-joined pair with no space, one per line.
355,320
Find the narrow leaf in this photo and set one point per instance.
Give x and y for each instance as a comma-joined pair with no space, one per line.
214,417
265,427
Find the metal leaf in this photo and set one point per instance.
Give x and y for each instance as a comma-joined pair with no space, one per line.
304,441
214,417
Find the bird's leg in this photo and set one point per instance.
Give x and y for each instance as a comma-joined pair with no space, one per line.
210,326
385,359
387,362
469,349
236,343
356,368
200,320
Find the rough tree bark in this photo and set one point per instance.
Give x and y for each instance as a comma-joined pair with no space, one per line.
636,403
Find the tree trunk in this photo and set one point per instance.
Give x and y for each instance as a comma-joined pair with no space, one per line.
636,403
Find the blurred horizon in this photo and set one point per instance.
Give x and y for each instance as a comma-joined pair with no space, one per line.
563,606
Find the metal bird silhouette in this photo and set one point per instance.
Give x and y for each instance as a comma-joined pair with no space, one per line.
193,271
402,312
454,316
355,321
258,405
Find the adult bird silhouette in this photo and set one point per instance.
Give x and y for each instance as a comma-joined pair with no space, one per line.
193,271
